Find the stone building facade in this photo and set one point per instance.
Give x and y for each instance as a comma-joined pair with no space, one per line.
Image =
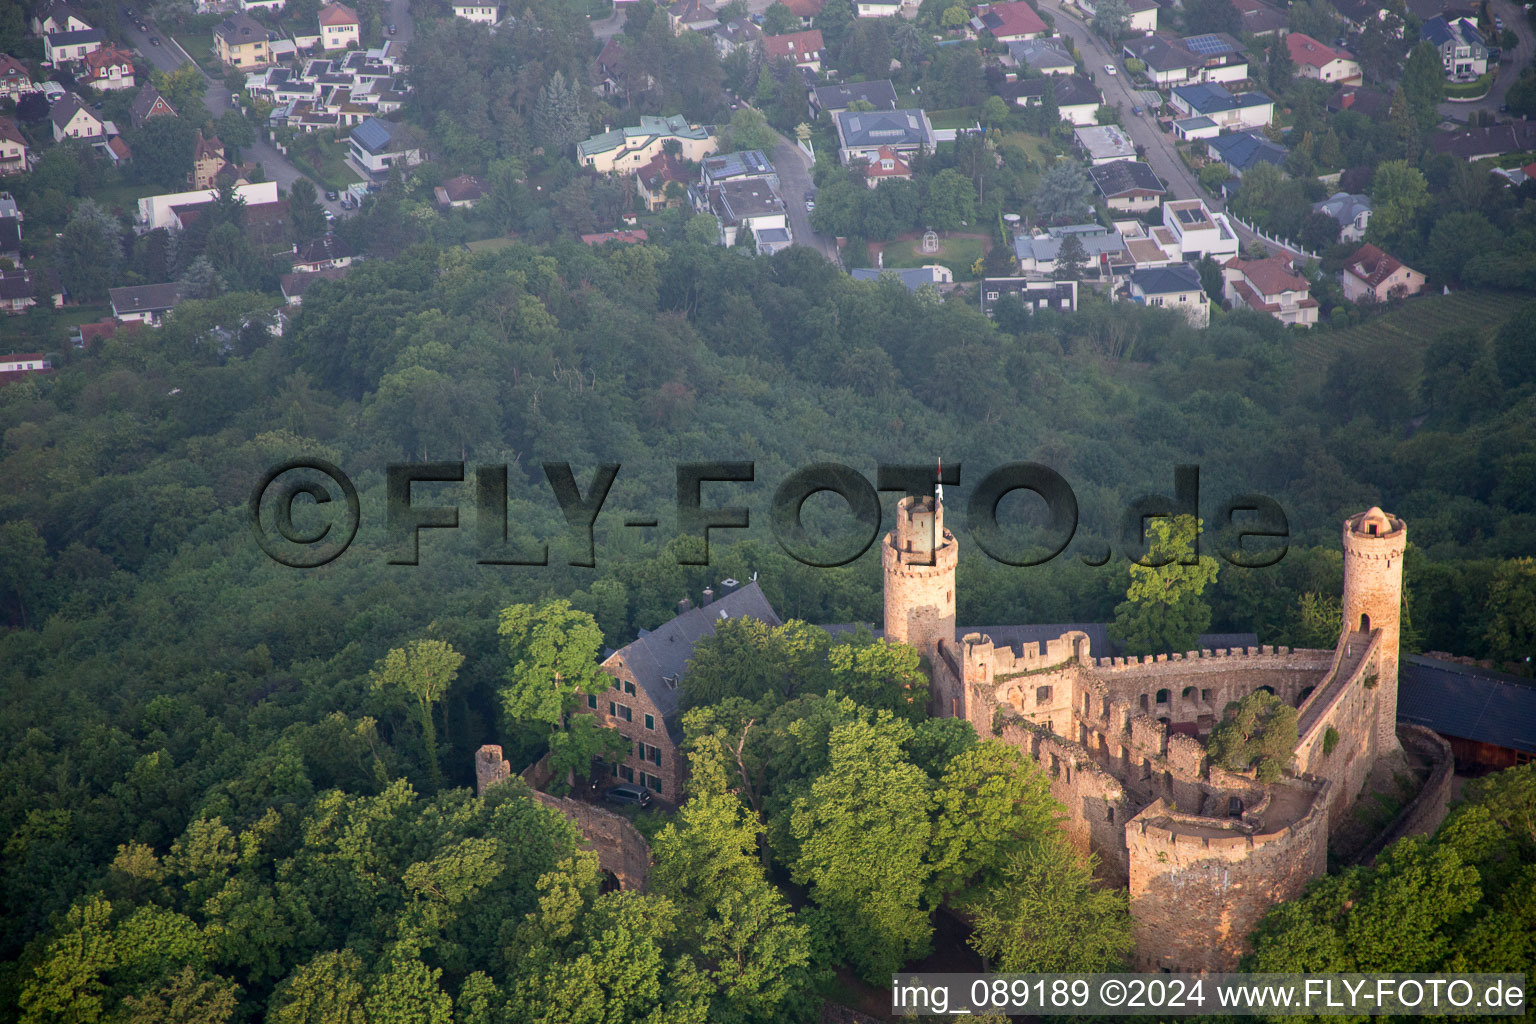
1204,852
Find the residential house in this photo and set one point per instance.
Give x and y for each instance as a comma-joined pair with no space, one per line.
1197,231
1473,144
295,285
1168,60
479,13
1261,19
461,192
270,6
1127,186
804,49
736,34
1223,58
108,69
1143,15
241,42
1143,248
1371,275
1175,286
885,8
1033,293
375,146
1357,14
324,253
649,679
161,211
626,150
147,104
1039,253
1270,285
339,27
144,303
635,236
738,166
751,205
1200,127
1242,151
15,79
834,99
862,134
1366,102
1104,143
1321,62
19,365
887,166
653,182
74,120
929,276
1352,211
691,16
1077,99
21,289
57,17
1043,55
1244,110
207,161
64,47
10,229
805,10
13,148
1463,51
1008,22
116,149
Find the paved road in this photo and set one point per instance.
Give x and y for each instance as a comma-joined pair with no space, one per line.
168,56
1520,58
794,182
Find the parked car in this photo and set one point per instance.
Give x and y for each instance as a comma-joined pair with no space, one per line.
624,793
810,205
330,218
129,11
234,99
1136,111
154,40
1109,69
331,194
391,28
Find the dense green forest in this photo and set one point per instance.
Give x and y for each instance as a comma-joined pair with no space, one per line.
203,787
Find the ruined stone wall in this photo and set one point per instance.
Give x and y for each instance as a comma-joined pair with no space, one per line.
1426,811
1350,706
621,849
1198,888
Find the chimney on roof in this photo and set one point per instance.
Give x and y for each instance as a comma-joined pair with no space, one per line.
729,586
685,605
709,596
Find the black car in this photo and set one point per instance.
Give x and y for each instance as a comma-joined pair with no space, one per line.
331,194
627,794
154,40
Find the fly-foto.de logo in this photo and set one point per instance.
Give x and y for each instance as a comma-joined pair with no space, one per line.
1251,530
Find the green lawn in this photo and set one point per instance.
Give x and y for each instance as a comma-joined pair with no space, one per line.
957,254
1033,145
955,117
330,170
199,47
124,198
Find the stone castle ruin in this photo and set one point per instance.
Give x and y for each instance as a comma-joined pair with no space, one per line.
1204,851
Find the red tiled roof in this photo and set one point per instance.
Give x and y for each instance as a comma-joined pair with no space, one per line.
1270,276
795,45
1256,301
1013,19
804,8
11,68
664,167
900,170
10,132
119,148
1372,265
634,237
101,60
1306,50
338,14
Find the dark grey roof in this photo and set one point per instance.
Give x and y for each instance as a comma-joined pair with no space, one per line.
1162,54
665,651
881,94
373,135
1098,635
1467,702
912,277
1121,176
884,128
239,29
1177,277
145,298
79,35
1068,90
10,234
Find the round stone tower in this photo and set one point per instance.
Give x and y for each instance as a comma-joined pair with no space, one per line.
1373,601
919,559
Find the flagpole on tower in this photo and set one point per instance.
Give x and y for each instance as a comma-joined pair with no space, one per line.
938,490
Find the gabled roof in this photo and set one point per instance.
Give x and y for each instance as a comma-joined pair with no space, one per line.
1242,150
378,136
10,133
330,246
1121,177
658,660
1269,276
149,103
804,8
1169,280
1467,702
1040,54
1306,50
898,169
145,298
1357,12
1212,98
106,57
1260,18
662,168
1441,30
1161,53
1372,265
1010,19
13,70
912,278
1068,90
338,14
880,94
464,188
1491,140
794,45
79,35
1344,207
65,110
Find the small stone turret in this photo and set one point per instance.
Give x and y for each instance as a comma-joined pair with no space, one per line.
919,558
1373,601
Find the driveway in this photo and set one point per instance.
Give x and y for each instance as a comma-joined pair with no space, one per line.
794,182
1517,60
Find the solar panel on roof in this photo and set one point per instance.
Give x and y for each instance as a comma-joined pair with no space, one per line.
1207,45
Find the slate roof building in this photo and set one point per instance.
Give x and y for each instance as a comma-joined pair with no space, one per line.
1129,186
861,134
1489,717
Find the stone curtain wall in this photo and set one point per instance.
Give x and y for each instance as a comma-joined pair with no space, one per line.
1351,708
1425,812
621,850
